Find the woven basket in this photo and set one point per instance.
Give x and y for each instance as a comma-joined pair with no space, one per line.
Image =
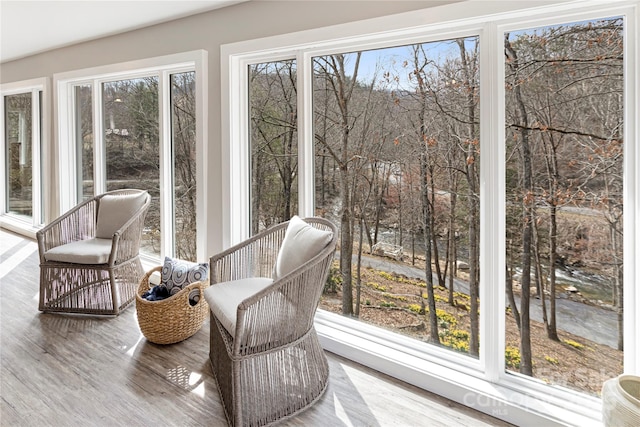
170,320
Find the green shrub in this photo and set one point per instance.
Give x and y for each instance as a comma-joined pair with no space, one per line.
445,317
574,344
415,308
386,275
455,339
551,360
334,279
377,286
394,296
512,357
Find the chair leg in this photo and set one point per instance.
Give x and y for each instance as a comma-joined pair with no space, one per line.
124,281
84,289
221,366
264,388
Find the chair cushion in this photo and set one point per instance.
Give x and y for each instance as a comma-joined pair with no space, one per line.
301,243
115,210
91,251
224,298
178,274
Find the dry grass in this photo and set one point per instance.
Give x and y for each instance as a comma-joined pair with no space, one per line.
393,302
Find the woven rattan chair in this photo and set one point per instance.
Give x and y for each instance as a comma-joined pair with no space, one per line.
264,351
89,257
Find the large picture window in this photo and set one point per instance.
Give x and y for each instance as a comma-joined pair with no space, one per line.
274,143
131,145
22,118
449,259
139,129
185,159
564,178
396,135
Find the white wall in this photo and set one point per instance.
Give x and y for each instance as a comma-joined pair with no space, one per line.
208,31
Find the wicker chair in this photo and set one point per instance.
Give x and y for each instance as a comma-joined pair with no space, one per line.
89,260
264,351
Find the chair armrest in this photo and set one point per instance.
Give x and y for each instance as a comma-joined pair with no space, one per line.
126,241
79,223
284,311
254,257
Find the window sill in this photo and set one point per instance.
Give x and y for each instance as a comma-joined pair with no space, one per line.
18,226
459,381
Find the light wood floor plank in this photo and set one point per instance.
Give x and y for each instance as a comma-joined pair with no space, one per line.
62,370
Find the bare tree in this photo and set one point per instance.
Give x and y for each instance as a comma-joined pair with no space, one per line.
526,366
471,173
346,153
273,143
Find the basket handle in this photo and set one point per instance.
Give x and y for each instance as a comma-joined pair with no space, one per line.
144,282
197,288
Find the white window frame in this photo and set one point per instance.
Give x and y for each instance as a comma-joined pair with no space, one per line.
161,67
479,383
40,113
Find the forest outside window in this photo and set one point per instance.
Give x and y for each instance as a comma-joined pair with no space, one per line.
130,151
397,164
139,130
22,152
564,178
386,152
393,139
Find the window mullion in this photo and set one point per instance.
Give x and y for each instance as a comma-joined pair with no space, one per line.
306,150
4,205
36,162
492,204
67,143
237,187
99,155
167,224
631,198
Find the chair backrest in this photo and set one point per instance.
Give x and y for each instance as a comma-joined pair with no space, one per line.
286,307
303,240
116,208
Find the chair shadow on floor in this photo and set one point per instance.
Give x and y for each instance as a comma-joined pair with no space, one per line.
167,371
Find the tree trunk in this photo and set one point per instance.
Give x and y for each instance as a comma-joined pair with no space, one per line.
552,331
434,237
551,158
511,297
452,255
358,268
471,174
346,245
539,274
526,366
426,213
618,286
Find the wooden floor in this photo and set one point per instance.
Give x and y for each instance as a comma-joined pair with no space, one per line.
60,370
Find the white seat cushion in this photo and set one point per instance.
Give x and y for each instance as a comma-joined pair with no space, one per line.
91,251
301,243
115,210
224,298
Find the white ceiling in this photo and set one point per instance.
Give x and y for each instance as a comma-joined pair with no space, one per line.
28,27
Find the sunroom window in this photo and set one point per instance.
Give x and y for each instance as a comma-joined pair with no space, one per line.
22,115
131,145
274,143
564,202
396,134
385,139
139,129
